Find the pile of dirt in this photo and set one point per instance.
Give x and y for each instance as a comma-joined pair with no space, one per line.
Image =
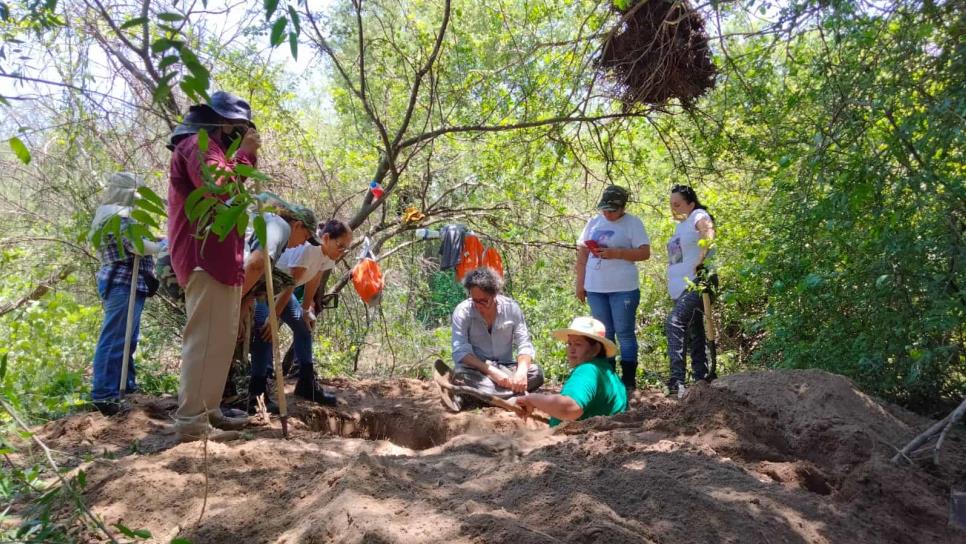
761,457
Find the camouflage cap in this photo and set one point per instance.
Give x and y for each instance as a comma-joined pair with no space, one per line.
307,217
614,198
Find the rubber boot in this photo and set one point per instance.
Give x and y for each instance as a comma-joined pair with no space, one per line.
309,389
259,386
629,374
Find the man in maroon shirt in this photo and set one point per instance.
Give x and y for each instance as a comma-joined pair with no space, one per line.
210,271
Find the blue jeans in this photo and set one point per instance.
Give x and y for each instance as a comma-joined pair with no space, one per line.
109,354
685,328
618,313
262,349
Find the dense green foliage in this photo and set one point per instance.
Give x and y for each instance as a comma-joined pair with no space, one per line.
830,153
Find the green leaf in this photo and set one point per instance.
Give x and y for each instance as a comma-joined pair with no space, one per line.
225,220
261,230
293,44
126,531
296,21
144,218
193,198
20,150
202,208
149,195
233,148
249,172
151,208
203,140
81,478
270,7
241,224
180,540
4,101
278,32
167,61
3,365
170,17
137,21
160,45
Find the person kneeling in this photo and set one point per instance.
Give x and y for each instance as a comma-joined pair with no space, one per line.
487,327
593,388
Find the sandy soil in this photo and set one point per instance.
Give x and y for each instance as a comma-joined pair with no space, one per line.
783,456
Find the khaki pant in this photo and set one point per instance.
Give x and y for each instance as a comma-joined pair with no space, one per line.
208,343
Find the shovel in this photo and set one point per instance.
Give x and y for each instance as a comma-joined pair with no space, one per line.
129,327
443,378
710,332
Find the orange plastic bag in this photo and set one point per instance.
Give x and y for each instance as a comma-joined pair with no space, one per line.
472,256
491,258
367,279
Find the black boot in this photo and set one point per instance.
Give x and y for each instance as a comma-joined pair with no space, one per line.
256,387
308,389
629,374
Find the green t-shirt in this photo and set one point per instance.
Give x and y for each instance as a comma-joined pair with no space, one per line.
595,388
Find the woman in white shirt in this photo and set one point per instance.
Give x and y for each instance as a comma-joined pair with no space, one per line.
687,251
608,250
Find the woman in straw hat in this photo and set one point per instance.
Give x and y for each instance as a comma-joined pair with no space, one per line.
593,388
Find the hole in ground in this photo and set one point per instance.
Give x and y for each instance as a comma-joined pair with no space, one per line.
417,431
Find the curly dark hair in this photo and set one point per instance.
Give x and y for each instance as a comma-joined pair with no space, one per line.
484,279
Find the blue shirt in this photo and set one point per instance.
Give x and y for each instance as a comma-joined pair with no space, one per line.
471,335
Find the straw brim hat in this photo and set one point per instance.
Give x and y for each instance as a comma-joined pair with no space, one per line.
592,329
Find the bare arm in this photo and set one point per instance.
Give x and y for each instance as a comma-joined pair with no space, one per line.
706,231
580,269
632,254
558,406
311,287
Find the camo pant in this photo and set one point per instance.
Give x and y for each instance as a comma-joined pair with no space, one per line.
685,329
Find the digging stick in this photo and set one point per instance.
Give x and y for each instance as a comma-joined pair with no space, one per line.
129,327
273,325
710,334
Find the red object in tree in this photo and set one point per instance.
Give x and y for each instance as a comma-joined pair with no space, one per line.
491,258
367,279
472,256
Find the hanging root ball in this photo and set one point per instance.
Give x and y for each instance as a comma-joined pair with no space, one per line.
657,51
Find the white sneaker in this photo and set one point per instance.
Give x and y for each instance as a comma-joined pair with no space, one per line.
682,391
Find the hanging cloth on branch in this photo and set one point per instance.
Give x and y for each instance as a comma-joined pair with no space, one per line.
471,256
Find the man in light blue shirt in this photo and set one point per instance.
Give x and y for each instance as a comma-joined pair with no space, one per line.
487,328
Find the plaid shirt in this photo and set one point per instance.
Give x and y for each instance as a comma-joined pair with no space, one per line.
111,257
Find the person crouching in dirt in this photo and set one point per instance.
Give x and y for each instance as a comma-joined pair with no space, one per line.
291,227
593,388
209,269
306,262
487,327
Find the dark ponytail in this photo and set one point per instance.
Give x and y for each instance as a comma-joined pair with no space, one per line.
335,228
687,192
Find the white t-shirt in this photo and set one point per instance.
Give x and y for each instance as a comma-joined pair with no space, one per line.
613,275
683,253
308,257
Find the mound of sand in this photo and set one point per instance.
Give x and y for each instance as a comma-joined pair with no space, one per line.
789,456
